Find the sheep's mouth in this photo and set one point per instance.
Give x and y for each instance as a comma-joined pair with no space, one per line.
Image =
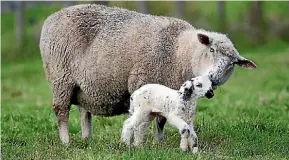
215,84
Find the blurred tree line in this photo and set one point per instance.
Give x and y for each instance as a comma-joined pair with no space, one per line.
251,26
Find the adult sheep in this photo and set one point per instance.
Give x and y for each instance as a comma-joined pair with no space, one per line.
96,56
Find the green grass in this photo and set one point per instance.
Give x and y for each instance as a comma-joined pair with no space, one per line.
247,118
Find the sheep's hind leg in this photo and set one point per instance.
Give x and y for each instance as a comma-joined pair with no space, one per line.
61,106
86,123
160,121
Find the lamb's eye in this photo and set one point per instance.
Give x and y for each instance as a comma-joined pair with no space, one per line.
199,85
212,50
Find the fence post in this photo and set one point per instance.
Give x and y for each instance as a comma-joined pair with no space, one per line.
221,15
19,22
180,9
142,6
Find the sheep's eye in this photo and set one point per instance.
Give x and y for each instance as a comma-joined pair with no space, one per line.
212,50
199,85
235,62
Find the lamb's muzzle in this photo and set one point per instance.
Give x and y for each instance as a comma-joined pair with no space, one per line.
210,94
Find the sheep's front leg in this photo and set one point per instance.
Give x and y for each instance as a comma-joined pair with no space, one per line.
86,123
61,105
62,116
184,130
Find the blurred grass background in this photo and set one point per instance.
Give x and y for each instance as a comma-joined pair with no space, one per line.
200,14
247,119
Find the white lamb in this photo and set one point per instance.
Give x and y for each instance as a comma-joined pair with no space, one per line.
178,106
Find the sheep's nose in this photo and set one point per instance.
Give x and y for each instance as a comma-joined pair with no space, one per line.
210,94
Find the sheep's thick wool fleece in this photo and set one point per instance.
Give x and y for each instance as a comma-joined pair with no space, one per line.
106,53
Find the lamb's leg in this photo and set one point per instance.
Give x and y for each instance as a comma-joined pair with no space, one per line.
127,130
193,141
130,124
160,121
140,132
86,123
61,105
184,130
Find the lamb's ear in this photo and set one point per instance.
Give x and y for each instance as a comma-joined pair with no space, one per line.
188,93
204,39
246,63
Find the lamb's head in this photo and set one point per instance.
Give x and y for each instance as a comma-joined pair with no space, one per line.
217,57
198,87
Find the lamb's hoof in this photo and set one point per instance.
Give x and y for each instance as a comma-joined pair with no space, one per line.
184,144
125,141
160,137
137,144
195,150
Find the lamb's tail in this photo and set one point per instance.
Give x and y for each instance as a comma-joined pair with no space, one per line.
131,107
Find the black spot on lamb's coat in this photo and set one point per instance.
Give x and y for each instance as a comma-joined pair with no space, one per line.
187,94
196,143
185,131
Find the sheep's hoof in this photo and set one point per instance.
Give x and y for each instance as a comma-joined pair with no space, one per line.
85,138
64,140
137,145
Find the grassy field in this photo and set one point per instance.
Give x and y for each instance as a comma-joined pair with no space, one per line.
247,119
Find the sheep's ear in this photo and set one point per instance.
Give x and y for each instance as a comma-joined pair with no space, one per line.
246,63
204,39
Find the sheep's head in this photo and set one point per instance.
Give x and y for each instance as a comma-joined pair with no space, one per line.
218,57
198,87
